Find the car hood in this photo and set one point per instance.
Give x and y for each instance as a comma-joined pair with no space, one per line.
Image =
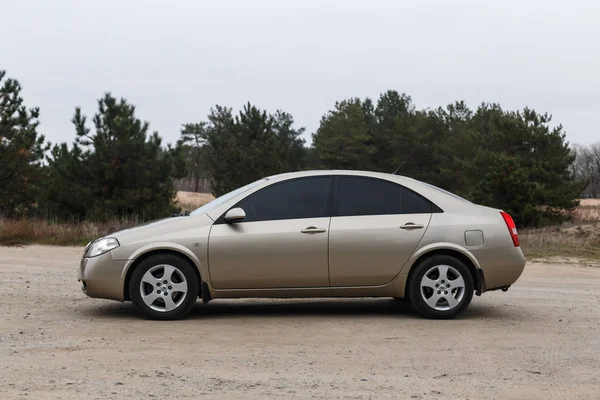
161,228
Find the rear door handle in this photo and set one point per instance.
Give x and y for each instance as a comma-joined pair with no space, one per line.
313,229
410,225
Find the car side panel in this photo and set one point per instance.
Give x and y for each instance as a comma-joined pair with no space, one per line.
190,240
500,262
434,247
269,254
371,250
195,251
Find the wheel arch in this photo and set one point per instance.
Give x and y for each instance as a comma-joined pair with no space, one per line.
143,255
453,251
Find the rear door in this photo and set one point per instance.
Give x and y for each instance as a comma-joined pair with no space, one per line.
375,227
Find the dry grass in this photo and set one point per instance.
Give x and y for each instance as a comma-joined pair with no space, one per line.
589,202
580,237
189,201
581,241
35,231
585,215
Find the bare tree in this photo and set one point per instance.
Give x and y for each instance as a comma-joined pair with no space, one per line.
586,168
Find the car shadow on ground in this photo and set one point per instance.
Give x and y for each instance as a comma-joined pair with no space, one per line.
327,308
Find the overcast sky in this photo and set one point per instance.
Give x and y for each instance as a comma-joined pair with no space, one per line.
176,59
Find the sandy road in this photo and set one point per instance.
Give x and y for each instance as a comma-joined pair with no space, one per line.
540,339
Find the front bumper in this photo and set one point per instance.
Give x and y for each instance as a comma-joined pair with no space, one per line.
102,277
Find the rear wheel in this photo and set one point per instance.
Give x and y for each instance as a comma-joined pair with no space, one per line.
440,287
164,287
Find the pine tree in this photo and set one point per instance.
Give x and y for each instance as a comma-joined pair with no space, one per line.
192,143
118,170
291,145
243,148
504,159
344,138
522,165
21,150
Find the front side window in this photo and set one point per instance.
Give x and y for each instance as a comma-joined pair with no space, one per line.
294,199
226,197
369,196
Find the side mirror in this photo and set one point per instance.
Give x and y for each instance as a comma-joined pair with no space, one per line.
235,215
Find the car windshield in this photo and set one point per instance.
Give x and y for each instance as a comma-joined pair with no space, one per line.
226,197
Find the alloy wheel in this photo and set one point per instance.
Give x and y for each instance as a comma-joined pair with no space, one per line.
163,288
442,287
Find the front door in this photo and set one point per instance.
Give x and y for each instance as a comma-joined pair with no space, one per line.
375,227
282,242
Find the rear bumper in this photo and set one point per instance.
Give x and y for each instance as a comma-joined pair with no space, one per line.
101,277
500,267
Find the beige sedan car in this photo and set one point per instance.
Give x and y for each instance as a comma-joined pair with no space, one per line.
312,234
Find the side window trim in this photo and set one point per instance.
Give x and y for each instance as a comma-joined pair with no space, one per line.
330,198
328,207
336,194
335,204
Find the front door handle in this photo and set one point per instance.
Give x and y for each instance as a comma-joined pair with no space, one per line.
313,229
410,225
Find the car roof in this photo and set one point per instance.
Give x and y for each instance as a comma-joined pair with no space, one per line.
299,174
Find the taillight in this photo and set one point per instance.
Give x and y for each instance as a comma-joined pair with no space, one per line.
512,228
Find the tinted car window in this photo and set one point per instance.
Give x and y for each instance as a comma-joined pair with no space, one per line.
226,197
367,196
412,203
298,198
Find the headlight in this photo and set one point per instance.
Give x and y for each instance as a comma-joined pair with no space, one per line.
101,246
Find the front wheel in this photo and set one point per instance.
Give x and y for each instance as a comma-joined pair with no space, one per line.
164,287
440,287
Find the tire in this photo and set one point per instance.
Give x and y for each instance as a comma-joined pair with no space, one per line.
447,299
156,300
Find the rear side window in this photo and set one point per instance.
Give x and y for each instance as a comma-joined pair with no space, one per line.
294,199
412,203
370,196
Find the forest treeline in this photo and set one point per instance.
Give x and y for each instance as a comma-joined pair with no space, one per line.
117,167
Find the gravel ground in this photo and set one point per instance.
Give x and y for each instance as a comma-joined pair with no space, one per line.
540,339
